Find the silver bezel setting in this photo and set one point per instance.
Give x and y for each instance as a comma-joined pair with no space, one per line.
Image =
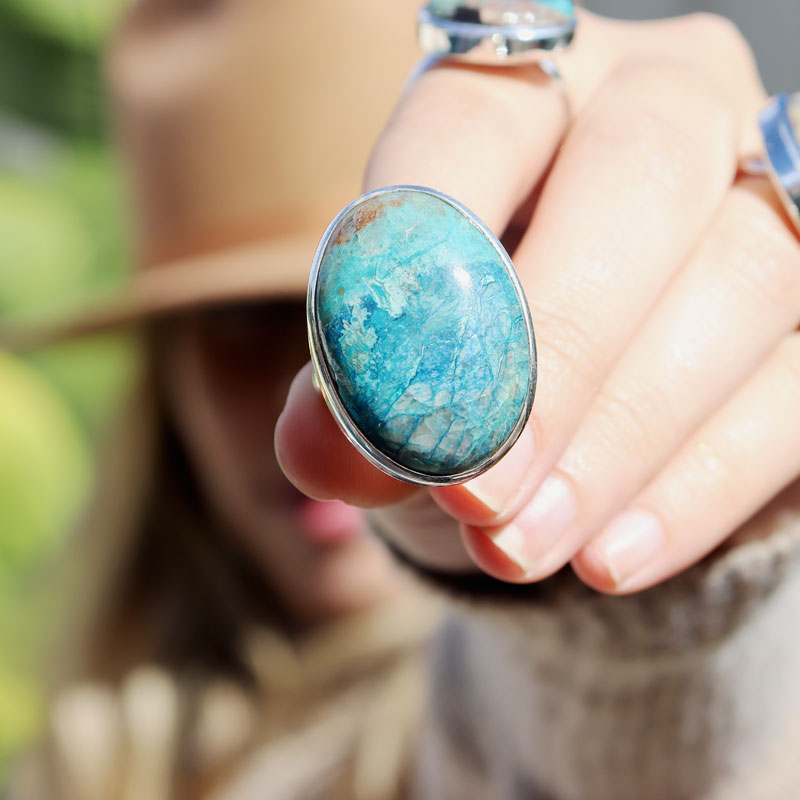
782,152
480,43
324,380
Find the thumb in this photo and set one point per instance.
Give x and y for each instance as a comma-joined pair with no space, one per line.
316,457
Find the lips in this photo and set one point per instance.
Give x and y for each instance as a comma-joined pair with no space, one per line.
330,522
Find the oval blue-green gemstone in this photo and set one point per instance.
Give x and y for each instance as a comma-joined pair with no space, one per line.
424,332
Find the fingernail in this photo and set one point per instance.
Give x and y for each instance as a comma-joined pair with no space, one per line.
539,525
629,542
498,486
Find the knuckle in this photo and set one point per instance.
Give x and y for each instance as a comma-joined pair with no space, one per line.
646,144
566,351
710,463
471,98
439,96
724,51
663,118
465,110
633,418
720,34
761,251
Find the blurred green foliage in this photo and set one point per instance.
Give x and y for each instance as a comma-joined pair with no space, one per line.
44,472
62,234
81,24
61,229
49,61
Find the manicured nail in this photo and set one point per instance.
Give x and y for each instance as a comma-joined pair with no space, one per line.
498,486
629,542
511,540
539,525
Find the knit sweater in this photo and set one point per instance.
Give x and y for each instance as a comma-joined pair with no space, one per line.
687,691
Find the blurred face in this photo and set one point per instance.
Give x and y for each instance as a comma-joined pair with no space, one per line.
227,373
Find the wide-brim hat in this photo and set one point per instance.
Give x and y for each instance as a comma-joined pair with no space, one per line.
275,269
243,129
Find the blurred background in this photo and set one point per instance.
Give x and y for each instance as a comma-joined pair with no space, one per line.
62,232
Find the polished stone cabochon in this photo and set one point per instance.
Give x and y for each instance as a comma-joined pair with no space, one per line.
423,332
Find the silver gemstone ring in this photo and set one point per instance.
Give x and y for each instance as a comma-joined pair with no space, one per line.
496,31
420,336
780,129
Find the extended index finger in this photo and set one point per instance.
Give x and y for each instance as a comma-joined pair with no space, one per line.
486,135
482,135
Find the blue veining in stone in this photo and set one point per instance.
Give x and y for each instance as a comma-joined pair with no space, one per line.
423,332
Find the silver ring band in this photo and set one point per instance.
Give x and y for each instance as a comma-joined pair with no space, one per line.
420,336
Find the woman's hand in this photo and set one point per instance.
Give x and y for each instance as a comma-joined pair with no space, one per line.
665,295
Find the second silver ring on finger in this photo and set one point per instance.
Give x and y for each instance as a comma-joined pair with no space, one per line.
496,32
780,128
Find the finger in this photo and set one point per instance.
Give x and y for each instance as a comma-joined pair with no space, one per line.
485,136
717,481
713,43
317,458
705,45
423,532
639,177
481,135
736,298
709,44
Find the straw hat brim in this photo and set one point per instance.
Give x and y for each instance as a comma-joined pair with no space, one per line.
273,269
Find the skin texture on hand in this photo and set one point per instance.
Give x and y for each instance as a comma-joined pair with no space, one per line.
665,294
